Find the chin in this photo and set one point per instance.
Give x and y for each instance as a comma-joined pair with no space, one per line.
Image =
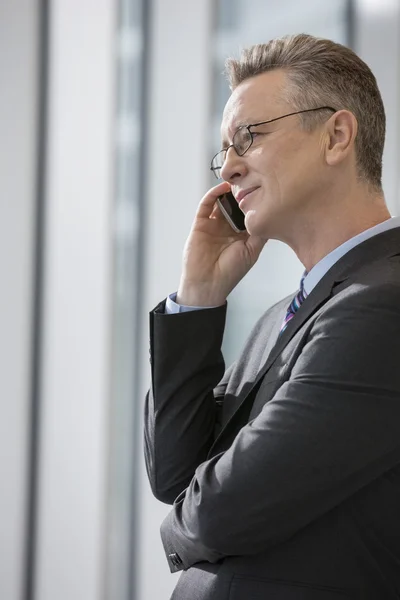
257,224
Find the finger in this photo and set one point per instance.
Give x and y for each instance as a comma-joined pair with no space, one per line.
216,213
224,228
207,203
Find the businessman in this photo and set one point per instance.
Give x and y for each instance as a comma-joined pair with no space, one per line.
283,471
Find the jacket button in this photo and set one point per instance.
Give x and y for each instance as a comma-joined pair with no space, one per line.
175,559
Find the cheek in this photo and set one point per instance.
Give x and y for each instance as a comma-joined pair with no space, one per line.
273,188
269,199
269,171
266,164
290,169
282,170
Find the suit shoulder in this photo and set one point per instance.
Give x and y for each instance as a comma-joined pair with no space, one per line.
376,282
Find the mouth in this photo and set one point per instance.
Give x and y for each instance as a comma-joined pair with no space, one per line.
247,194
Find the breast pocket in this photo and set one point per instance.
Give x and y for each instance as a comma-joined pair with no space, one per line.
250,588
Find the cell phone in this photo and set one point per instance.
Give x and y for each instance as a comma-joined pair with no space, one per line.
231,211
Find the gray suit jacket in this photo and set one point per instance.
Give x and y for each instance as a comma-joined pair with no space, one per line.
284,471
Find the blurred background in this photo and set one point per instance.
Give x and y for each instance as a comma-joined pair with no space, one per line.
110,114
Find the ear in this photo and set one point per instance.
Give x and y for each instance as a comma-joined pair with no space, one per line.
341,131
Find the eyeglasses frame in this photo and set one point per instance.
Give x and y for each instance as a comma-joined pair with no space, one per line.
213,169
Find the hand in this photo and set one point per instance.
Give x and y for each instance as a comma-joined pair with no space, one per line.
215,257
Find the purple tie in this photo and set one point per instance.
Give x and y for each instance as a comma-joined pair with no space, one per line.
295,304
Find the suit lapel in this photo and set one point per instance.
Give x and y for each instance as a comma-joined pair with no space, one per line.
311,304
274,334
277,343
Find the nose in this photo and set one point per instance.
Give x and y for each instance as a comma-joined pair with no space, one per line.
234,165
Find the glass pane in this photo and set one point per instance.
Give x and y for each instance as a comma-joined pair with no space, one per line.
120,562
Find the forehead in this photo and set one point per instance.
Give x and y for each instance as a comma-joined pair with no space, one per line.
256,99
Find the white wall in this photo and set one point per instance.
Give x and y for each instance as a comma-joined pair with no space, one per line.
76,334
18,111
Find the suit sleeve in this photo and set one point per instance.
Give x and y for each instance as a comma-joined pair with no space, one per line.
182,412
330,430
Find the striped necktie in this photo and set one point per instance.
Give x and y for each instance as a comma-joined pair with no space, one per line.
295,304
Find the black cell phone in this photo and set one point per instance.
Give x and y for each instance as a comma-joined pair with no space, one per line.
231,211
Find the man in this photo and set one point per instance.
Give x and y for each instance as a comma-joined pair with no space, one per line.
284,471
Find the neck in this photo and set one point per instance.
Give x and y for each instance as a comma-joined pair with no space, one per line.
330,224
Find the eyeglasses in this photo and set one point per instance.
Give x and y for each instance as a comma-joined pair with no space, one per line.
243,139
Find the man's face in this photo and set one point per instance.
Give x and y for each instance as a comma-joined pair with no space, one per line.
284,163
